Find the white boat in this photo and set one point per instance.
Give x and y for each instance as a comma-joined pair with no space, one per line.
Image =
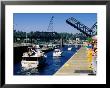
76,46
31,59
57,53
69,48
37,46
29,64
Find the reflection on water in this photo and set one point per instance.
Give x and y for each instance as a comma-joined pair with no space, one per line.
51,65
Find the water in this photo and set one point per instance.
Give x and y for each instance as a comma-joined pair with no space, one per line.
52,64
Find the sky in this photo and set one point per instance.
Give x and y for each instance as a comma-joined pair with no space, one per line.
27,22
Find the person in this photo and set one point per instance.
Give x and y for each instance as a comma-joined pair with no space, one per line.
92,55
89,55
94,61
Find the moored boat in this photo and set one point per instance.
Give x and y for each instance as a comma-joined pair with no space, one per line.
57,53
69,48
32,58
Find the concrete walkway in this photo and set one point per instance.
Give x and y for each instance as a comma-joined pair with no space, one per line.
76,65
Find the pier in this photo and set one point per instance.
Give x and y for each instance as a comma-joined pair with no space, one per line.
76,65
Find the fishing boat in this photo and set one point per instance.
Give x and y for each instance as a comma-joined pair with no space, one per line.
57,53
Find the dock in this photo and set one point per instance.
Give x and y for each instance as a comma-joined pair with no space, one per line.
76,65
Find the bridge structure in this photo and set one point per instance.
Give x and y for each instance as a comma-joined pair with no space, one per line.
89,32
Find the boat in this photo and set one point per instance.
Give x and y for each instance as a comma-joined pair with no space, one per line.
37,46
76,46
32,58
29,64
57,53
69,48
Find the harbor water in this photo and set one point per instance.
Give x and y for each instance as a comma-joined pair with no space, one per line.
51,65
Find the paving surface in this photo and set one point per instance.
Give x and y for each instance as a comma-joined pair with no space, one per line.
76,65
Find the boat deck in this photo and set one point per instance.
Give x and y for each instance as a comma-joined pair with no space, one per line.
76,65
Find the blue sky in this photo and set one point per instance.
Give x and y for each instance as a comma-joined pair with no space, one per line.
39,21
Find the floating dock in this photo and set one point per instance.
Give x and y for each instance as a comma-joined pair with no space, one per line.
76,65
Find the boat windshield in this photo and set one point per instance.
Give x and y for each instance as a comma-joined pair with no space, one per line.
57,50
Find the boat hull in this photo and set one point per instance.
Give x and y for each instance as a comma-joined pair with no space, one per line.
57,54
32,62
29,64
